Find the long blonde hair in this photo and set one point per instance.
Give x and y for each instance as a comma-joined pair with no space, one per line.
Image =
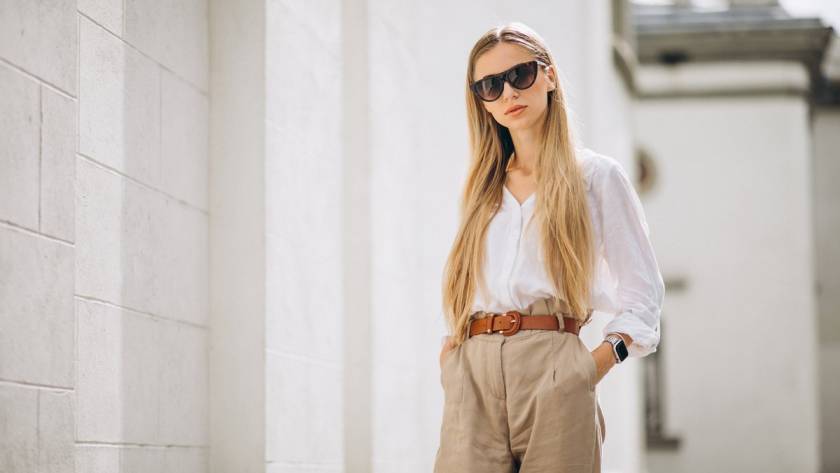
561,208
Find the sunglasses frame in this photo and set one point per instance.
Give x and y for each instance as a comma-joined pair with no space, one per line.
505,76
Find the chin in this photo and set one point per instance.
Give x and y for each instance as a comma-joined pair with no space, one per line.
518,126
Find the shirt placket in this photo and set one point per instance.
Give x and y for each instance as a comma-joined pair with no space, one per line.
514,243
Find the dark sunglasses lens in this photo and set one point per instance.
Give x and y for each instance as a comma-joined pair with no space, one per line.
489,89
524,75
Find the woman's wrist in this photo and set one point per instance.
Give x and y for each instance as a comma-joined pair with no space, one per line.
607,350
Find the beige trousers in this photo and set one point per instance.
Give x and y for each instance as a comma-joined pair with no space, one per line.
521,403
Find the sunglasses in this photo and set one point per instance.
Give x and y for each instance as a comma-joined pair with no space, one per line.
520,76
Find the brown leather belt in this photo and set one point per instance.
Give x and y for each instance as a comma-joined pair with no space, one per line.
511,322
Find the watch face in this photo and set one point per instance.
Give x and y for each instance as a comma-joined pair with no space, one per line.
621,349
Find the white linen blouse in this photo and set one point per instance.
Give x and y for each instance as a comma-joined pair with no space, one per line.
627,280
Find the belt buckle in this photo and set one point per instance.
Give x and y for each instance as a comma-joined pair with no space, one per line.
516,322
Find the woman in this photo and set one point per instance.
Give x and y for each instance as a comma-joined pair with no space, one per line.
548,233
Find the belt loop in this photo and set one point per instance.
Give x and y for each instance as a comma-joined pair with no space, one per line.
490,326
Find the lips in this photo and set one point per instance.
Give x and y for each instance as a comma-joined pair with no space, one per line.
514,108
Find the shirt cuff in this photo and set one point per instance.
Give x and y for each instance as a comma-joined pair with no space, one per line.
645,339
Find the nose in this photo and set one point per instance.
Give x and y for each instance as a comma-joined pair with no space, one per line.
508,90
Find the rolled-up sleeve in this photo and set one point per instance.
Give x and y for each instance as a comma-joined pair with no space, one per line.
629,255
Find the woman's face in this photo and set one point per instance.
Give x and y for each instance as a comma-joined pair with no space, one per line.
502,57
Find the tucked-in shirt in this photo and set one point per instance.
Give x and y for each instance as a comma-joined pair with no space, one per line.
627,281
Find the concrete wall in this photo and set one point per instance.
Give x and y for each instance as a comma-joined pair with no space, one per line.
278,229
304,230
732,150
237,236
103,236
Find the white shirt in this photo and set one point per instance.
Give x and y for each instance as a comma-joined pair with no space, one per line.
627,280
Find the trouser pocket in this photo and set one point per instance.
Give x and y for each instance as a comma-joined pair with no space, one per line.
574,366
450,377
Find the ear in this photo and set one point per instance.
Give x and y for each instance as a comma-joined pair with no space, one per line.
551,77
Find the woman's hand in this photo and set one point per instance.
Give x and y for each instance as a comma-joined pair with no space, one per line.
604,360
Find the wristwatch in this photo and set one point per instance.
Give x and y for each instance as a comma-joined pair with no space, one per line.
619,348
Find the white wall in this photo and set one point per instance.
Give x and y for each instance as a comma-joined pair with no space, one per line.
103,236
732,206
237,236
304,309
278,229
